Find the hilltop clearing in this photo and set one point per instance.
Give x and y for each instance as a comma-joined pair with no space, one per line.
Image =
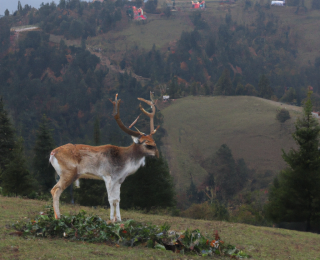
197,126
260,242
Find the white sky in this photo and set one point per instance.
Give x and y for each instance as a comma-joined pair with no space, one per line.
12,5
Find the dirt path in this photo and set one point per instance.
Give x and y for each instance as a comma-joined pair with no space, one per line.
105,61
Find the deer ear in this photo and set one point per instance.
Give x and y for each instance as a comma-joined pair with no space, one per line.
135,139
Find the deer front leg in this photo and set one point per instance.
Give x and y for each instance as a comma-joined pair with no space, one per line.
114,200
113,189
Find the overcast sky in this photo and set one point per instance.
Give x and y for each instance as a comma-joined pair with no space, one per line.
12,5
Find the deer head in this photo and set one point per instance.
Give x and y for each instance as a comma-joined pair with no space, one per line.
145,142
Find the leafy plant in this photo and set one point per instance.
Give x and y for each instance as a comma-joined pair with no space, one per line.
129,233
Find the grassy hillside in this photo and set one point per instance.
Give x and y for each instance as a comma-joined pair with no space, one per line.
197,126
163,31
260,242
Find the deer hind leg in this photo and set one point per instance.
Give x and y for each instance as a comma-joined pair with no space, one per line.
66,178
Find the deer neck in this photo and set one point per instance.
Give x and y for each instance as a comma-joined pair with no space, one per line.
137,154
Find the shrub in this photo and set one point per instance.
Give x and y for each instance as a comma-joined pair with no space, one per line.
283,115
215,211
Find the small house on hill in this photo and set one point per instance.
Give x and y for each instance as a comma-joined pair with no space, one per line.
278,3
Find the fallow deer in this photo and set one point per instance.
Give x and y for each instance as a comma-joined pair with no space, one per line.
106,162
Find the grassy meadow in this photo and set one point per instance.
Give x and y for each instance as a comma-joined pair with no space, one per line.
259,242
197,126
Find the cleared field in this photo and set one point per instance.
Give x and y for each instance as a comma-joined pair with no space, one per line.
156,30
197,126
260,242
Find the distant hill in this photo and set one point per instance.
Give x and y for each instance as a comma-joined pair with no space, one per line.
197,126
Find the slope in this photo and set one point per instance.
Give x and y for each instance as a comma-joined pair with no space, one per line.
260,242
197,126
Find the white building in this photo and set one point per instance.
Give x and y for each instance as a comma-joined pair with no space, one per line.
278,3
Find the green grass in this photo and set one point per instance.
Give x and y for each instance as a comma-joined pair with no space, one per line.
260,242
197,126
154,31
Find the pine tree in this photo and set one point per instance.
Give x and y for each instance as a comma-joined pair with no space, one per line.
226,175
150,186
173,88
44,172
19,6
224,84
16,178
242,173
192,192
265,91
295,194
6,137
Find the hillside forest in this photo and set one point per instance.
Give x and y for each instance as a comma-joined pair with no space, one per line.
59,90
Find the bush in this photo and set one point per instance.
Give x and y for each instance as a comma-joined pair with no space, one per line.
283,115
249,215
215,211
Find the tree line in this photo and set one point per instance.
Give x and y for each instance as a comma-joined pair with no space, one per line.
234,60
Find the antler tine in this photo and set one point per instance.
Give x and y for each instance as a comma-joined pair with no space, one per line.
135,121
116,115
150,115
155,130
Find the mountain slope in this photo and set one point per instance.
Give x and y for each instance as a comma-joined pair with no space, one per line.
197,126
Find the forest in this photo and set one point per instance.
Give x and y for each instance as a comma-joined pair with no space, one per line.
65,89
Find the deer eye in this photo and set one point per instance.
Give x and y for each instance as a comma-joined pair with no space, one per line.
150,147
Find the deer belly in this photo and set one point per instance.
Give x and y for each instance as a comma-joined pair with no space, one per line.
90,176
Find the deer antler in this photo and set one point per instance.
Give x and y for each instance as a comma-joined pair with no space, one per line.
116,115
135,121
150,115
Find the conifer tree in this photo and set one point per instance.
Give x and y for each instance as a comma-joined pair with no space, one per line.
226,176
6,137
16,178
19,6
44,172
224,84
192,192
265,91
150,186
295,194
